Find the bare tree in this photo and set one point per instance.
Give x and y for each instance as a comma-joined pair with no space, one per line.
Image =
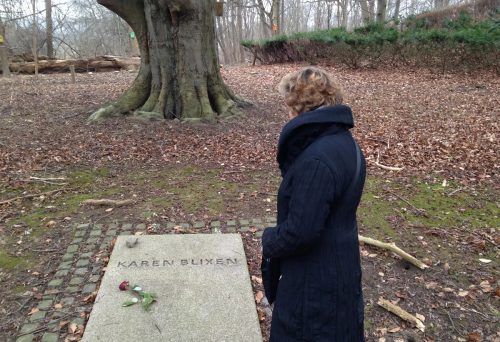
35,38
49,40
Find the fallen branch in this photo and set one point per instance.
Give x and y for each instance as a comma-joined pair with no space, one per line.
34,195
401,313
45,181
107,202
417,210
395,249
385,167
455,191
48,179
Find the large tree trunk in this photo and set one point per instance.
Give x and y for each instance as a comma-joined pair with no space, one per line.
179,75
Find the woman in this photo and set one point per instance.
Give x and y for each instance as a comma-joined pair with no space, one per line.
311,264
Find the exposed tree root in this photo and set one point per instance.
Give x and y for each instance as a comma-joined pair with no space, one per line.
179,77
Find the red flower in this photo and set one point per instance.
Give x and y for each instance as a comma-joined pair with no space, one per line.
124,285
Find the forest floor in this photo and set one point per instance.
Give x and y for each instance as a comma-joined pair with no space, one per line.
442,207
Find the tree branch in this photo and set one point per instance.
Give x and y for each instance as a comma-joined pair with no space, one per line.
393,248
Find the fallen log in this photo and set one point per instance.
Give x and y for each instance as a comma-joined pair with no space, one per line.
102,63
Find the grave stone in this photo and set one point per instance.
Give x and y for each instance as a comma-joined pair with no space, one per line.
202,287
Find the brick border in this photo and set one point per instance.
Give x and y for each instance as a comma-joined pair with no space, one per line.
82,266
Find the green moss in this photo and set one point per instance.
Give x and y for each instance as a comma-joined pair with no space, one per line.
460,210
138,177
196,189
20,289
374,210
9,262
68,204
87,177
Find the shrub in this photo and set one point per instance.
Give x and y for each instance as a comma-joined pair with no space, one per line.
461,43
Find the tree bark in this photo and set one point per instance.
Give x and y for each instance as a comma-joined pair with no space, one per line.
381,11
179,76
239,25
3,52
395,17
365,11
35,38
50,29
276,24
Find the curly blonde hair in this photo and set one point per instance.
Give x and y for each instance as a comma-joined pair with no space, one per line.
308,89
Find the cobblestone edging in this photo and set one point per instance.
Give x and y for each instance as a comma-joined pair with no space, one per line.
81,269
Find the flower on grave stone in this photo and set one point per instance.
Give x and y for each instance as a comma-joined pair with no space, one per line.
124,285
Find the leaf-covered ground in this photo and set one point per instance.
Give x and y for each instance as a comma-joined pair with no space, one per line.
442,206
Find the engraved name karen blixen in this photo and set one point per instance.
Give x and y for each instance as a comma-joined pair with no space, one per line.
179,262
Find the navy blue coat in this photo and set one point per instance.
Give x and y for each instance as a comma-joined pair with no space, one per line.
315,242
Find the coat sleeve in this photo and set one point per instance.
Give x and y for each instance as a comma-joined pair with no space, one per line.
313,191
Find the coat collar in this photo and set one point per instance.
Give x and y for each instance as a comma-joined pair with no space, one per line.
301,131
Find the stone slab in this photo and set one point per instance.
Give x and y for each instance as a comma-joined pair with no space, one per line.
202,286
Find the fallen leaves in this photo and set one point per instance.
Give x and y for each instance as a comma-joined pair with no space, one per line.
258,297
474,337
33,311
256,279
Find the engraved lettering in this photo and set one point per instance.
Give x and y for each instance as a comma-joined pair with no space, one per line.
144,263
168,262
232,261
193,262
209,261
121,264
219,262
133,263
184,262
156,263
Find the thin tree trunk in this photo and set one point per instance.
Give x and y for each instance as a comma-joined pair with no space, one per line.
381,10
239,27
3,52
345,13
265,26
395,17
35,38
276,17
372,10
365,11
317,21
49,25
